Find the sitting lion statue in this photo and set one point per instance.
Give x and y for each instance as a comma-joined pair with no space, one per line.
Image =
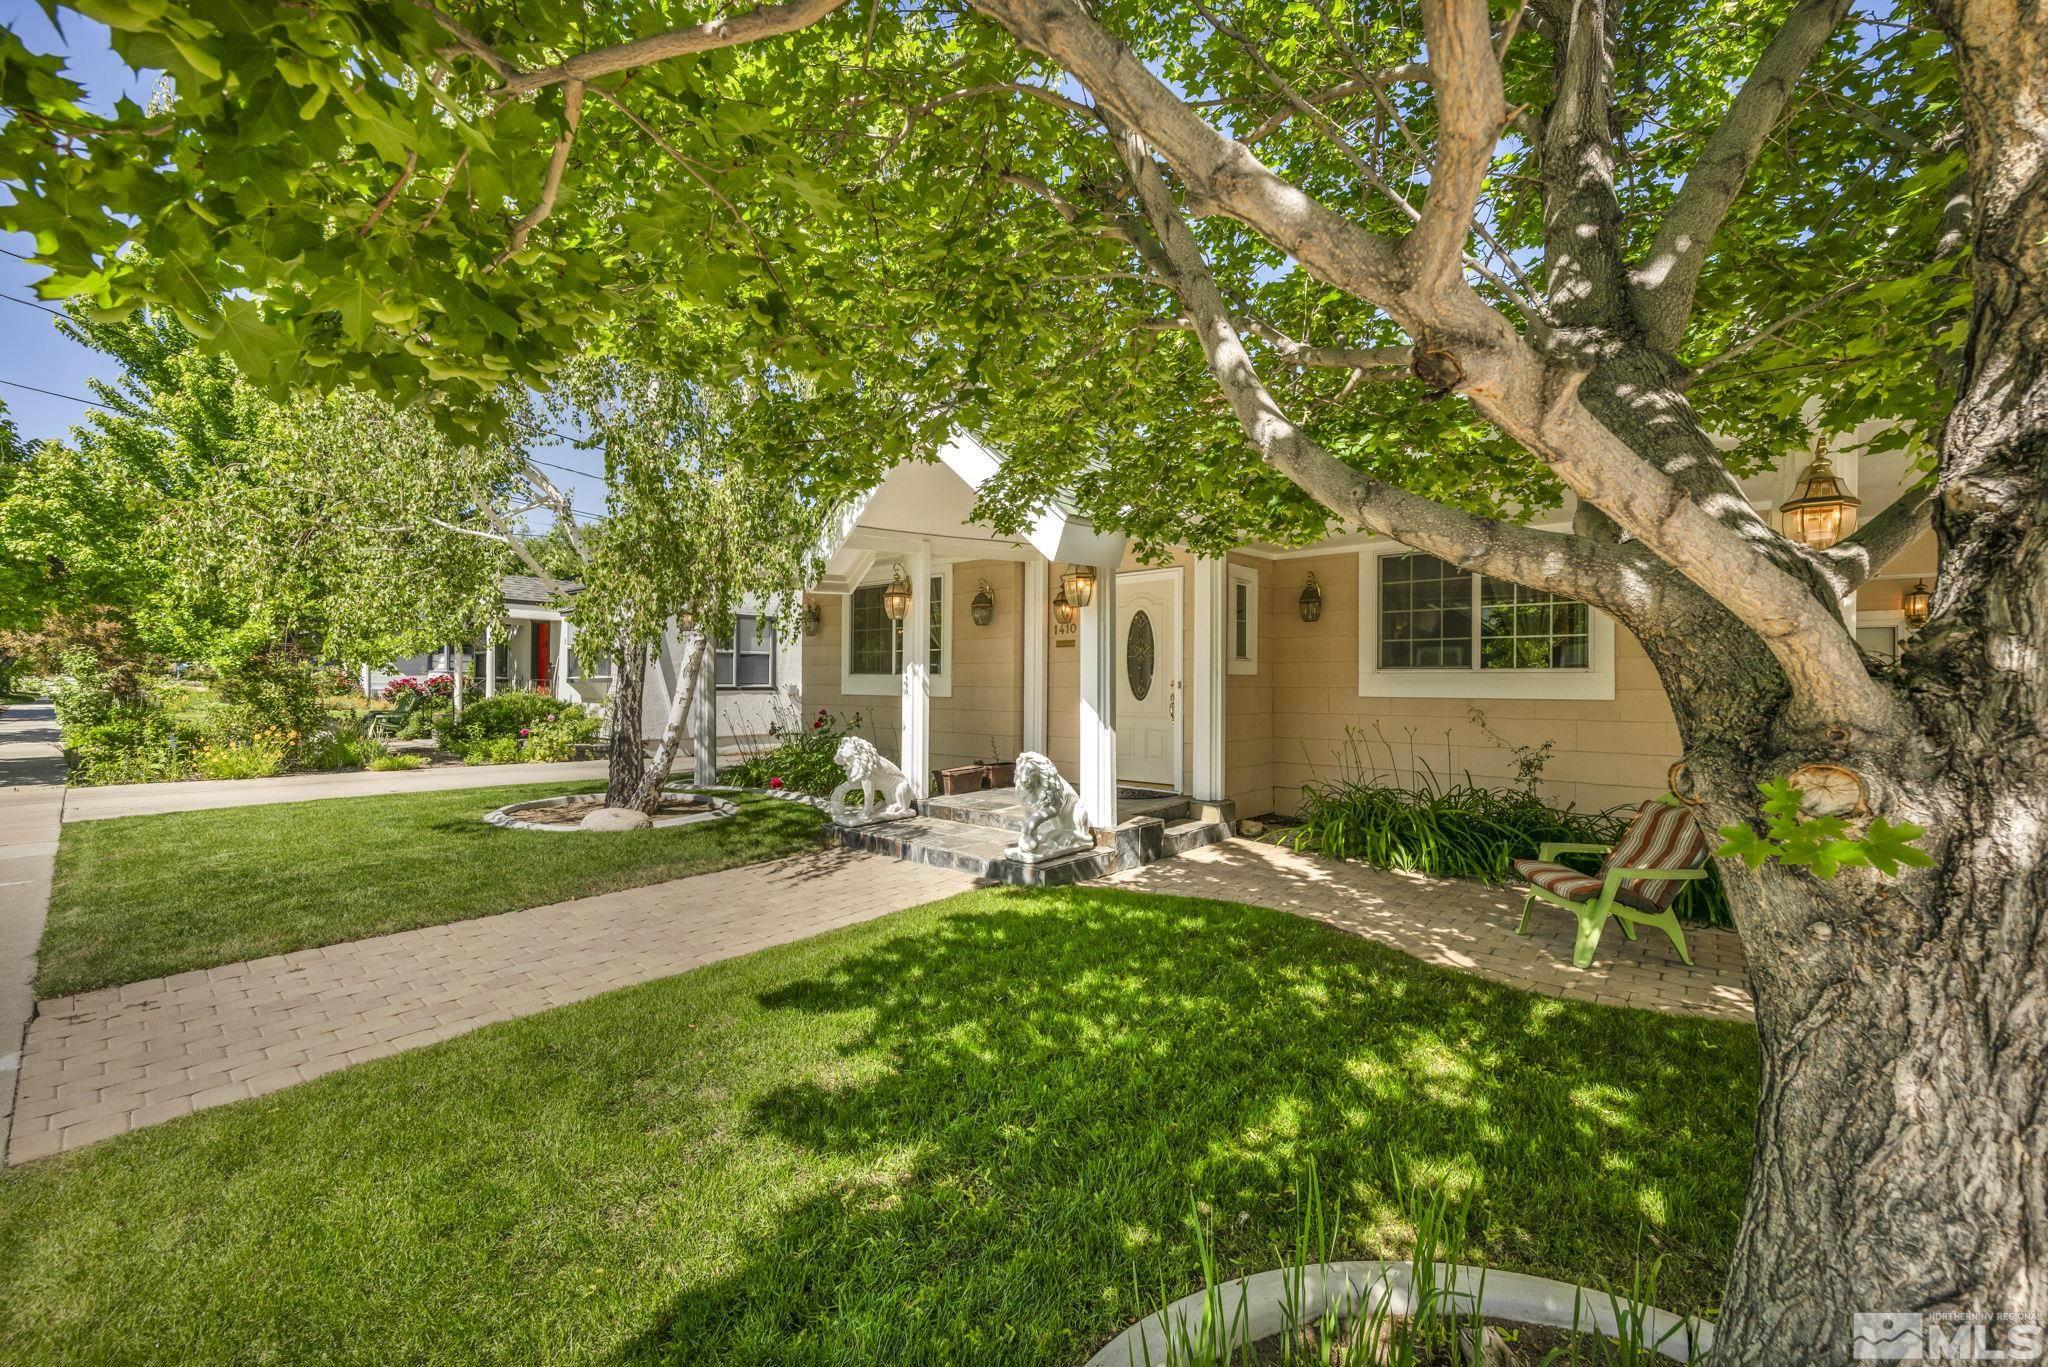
868,771
1054,823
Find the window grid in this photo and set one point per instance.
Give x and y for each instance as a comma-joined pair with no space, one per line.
748,659
1427,620
1525,628
877,642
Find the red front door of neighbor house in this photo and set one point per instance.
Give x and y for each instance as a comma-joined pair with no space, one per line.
542,655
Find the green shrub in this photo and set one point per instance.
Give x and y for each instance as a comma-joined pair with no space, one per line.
495,750
345,747
507,714
88,694
269,687
387,763
136,744
1458,830
803,758
261,757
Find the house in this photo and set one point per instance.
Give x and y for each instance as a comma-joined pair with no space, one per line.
1234,680
749,683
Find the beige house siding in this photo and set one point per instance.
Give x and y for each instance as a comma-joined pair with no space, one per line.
1305,695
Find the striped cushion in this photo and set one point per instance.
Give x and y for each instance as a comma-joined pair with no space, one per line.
1662,836
1567,883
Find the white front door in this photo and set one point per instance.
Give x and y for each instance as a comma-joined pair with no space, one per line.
1148,677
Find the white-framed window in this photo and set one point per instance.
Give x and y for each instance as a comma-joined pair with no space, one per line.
592,662
871,647
748,659
1243,629
1428,629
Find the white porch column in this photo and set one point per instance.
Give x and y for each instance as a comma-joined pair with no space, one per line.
561,680
1098,662
917,673
491,660
1212,678
703,717
1037,629
455,672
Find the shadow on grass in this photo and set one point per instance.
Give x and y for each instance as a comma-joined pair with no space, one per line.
1040,1083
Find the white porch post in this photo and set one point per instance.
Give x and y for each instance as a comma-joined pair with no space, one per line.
917,675
491,660
704,717
1212,678
455,672
1098,662
1037,619
561,679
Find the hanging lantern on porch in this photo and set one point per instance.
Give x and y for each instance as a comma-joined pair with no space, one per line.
1311,599
1064,613
983,608
1821,510
1078,584
896,598
1916,605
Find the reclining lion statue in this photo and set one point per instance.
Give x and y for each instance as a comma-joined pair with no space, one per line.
1054,823
868,771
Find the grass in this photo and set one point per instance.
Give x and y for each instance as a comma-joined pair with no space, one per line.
968,1132
148,896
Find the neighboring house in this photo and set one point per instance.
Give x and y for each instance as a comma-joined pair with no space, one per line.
750,682
1212,678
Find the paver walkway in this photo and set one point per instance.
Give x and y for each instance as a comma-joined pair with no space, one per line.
101,1063
146,799
31,805
1465,925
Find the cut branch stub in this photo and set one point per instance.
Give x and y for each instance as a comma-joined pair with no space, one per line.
1436,367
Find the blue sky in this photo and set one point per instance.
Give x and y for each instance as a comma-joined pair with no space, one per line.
34,353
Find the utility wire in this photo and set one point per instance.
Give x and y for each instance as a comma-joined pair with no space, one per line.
37,389
30,303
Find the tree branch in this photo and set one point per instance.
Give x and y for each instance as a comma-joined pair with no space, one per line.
1304,355
1663,284
769,21
1772,329
1878,542
551,183
1394,75
390,196
1471,110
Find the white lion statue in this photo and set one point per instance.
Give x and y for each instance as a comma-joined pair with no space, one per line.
1054,823
868,771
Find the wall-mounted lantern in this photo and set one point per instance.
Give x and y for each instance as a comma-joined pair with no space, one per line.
1311,599
814,619
1916,605
983,608
1078,584
1064,613
1821,510
896,598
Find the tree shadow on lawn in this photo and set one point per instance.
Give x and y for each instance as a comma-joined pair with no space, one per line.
1049,1079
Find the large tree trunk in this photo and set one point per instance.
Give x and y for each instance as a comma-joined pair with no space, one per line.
628,757
1902,1140
648,795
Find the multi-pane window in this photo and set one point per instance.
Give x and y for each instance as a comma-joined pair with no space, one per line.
747,660
1434,615
876,643
1244,620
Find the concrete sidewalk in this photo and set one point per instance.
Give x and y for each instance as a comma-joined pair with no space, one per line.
31,807
147,799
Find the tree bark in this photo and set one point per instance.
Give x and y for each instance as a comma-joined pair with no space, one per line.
627,756
648,795
1902,1140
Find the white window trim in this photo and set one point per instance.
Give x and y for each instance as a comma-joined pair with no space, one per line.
1593,683
855,685
774,656
1249,577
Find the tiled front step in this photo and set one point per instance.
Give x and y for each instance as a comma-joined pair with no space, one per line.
978,849
998,808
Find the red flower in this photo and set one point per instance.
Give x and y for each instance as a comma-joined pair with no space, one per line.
523,732
774,783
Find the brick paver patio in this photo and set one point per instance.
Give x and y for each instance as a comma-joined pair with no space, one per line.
101,1063
1464,925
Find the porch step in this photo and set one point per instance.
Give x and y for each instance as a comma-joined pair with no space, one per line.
999,809
977,847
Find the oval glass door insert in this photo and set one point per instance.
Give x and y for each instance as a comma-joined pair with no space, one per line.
1140,654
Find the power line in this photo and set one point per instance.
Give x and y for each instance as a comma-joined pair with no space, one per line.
18,256
36,389
30,303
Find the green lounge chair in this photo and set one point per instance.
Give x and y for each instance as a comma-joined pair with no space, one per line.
1637,883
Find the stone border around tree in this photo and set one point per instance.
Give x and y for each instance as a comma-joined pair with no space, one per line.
1268,1303
507,817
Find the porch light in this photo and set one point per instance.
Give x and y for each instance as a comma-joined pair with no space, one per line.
1821,510
1064,612
1311,599
896,598
1078,584
1916,604
814,619
983,608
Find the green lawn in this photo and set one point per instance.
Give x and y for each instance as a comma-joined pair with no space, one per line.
147,896
963,1133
